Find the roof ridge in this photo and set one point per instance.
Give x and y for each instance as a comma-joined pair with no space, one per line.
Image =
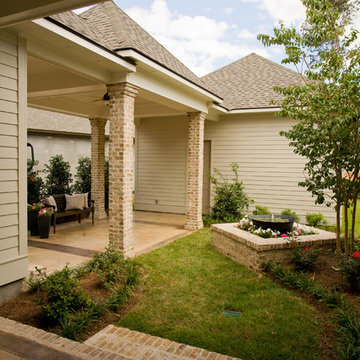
282,67
111,14
230,64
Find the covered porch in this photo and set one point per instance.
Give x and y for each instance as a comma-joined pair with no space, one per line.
122,91
75,243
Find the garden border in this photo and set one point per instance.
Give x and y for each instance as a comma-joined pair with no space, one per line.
252,250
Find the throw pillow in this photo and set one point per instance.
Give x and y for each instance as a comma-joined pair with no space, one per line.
50,201
86,200
74,202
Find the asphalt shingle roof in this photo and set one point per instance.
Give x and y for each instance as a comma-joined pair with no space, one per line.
248,83
110,27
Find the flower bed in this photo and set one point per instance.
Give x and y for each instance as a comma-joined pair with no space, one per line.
246,224
252,250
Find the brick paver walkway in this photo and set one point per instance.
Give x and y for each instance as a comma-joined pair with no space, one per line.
23,342
140,346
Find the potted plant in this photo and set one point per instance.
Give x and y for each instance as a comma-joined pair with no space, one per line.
33,211
44,222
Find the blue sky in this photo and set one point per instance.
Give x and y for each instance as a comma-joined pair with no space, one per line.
207,35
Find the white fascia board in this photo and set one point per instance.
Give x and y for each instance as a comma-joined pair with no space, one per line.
18,11
159,87
223,111
218,108
138,57
253,111
78,40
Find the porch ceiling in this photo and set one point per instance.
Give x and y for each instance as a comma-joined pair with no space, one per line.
52,87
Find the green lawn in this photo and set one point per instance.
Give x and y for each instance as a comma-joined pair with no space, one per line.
187,287
357,219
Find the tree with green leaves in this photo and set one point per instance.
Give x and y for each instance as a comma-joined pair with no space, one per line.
58,177
83,175
34,182
230,199
326,104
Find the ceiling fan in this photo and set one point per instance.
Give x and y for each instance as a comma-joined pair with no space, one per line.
105,98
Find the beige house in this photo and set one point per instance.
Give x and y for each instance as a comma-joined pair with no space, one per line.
102,66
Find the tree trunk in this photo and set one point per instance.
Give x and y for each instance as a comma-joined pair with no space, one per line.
338,241
346,227
353,220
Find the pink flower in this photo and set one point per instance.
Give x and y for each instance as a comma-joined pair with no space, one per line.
306,248
246,223
283,235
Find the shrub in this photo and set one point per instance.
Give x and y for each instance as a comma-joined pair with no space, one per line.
83,176
65,303
58,177
350,269
304,257
261,210
34,182
208,220
62,295
288,212
112,267
230,200
315,219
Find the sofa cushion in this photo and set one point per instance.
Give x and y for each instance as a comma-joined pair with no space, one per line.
74,202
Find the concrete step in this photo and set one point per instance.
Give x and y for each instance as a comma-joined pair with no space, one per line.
140,346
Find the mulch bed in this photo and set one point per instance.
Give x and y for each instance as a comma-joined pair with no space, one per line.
26,311
325,275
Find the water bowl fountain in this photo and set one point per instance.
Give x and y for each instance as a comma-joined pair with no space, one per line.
281,223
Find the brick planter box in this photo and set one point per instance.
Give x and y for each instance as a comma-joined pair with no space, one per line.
252,250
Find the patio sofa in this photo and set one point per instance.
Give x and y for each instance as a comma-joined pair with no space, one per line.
65,205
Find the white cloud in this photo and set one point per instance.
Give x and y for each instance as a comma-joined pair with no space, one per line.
197,41
288,11
229,11
246,34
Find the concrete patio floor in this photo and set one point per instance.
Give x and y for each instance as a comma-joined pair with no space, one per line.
75,243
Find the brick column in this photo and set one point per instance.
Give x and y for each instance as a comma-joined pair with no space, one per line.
121,166
98,166
195,170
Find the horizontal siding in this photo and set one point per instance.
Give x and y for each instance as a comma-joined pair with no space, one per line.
8,175
6,118
8,83
8,186
161,164
9,231
9,253
8,198
9,220
11,267
8,243
268,168
8,153
8,141
8,209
